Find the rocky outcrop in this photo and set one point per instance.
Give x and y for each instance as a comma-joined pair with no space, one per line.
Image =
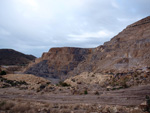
126,52
58,62
12,57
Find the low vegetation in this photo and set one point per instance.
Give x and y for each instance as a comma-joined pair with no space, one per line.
147,103
96,93
3,73
85,92
126,80
30,107
63,84
11,107
11,83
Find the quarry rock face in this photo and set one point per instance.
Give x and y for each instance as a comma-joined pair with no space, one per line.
58,62
128,51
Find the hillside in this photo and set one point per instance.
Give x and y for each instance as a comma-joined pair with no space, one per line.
12,57
26,81
58,62
124,53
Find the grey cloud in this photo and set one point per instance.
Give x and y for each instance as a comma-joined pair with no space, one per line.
34,26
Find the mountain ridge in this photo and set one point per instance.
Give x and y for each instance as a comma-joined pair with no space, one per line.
13,57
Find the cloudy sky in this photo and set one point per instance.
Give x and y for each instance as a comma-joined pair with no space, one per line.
34,26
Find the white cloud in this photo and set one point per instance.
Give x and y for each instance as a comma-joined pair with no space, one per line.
87,35
33,4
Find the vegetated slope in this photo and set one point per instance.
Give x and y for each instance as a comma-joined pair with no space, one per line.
126,52
89,79
23,81
12,57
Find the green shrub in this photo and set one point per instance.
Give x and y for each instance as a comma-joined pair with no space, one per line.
147,100
85,92
3,73
147,107
113,88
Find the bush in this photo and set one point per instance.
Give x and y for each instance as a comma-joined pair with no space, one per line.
42,86
73,80
6,105
96,93
107,89
21,108
147,100
146,108
125,85
85,92
2,103
63,84
3,73
9,83
5,86
23,82
113,88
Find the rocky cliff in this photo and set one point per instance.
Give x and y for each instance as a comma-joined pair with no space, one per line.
58,62
128,51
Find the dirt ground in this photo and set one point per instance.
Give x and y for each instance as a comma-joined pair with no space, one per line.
130,97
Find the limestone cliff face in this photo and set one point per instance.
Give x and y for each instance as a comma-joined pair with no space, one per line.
58,62
128,51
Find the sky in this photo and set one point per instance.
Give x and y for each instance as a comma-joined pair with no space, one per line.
35,26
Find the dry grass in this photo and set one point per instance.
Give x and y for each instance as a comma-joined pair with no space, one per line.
16,107
6,105
30,79
21,108
32,82
88,78
37,107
